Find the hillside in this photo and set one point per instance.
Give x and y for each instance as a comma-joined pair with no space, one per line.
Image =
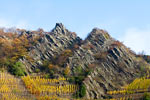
97,64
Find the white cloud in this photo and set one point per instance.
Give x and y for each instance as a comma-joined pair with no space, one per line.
138,40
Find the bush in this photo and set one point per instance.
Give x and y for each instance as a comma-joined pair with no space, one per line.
17,69
146,96
51,73
62,58
87,72
101,56
82,88
46,76
37,70
78,70
45,65
79,79
81,92
67,71
50,68
76,79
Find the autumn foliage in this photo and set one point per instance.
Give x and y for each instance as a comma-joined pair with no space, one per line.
15,46
101,56
117,43
62,58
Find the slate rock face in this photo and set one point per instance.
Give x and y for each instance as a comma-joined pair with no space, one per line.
111,62
112,71
50,45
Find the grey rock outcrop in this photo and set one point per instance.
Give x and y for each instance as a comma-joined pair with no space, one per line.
110,61
50,45
114,68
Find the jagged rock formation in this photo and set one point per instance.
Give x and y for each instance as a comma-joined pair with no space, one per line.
50,45
111,63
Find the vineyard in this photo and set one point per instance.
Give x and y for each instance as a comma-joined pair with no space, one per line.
35,88
134,90
39,88
12,88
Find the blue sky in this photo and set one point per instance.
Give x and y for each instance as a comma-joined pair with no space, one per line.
125,20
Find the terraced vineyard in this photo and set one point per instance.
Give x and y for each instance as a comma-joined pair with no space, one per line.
134,90
39,88
12,88
35,88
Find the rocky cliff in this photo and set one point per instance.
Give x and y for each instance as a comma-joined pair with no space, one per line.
50,45
111,64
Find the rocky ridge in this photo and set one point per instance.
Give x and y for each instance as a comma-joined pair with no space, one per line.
50,45
112,65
